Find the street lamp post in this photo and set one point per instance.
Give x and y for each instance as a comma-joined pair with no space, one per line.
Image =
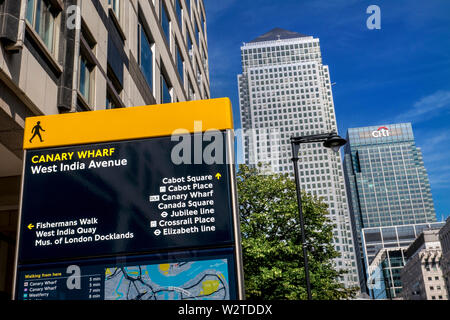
330,140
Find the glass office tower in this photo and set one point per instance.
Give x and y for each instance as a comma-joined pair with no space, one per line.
386,180
285,91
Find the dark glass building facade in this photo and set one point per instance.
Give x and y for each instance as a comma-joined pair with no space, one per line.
386,181
385,281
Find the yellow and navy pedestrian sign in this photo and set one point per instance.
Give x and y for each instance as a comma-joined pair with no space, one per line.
144,193
127,123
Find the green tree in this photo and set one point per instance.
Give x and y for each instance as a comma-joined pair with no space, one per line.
271,240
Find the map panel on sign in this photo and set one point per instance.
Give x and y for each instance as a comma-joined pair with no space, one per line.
193,275
197,280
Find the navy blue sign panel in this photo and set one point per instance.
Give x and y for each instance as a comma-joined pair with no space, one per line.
122,198
189,275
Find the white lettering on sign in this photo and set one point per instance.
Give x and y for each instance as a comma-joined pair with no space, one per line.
381,132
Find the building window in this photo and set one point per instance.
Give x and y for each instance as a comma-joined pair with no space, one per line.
202,16
145,55
86,67
179,12
42,19
199,74
191,93
111,102
165,21
204,60
113,90
86,79
180,64
197,33
188,6
165,90
115,6
206,96
189,44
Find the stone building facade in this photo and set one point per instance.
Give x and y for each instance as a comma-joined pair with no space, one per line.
59,56
422,276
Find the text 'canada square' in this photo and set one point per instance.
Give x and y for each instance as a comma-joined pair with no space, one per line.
133,203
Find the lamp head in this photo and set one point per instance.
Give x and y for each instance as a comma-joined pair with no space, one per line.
334,142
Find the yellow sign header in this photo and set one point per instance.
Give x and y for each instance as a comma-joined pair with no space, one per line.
127,123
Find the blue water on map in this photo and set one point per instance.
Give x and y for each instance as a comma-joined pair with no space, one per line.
173,275
181,278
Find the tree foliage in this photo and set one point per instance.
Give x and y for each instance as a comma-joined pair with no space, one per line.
271,240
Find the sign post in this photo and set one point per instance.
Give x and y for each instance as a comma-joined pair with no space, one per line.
135,203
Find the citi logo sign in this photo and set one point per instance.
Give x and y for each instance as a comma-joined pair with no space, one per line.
380,132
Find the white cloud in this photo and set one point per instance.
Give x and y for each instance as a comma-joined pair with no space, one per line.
427,107
433,139
435,156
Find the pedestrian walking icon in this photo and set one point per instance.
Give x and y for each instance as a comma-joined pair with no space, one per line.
37,131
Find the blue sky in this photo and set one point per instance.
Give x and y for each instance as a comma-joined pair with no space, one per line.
400,73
